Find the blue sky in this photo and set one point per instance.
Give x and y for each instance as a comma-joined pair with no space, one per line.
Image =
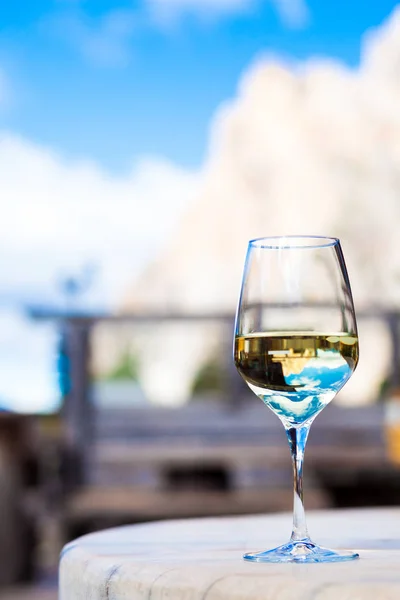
114,81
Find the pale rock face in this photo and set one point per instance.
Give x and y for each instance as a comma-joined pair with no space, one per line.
308,150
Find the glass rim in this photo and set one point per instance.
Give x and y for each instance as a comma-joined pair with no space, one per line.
293,242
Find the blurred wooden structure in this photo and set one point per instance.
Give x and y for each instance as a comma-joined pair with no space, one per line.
16,530
212,460
78,412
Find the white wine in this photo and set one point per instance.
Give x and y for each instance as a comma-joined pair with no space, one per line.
296,373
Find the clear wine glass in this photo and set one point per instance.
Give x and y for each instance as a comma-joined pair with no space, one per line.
296,345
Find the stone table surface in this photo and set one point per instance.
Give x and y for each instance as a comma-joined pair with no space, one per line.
201,559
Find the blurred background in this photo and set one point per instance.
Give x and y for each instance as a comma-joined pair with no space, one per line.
141,145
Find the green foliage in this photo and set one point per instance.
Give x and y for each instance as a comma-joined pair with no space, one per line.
387,389
209,378
126,368
384,389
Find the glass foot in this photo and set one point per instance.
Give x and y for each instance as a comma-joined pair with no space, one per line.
302,551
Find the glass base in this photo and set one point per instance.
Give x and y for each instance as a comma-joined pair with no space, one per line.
302,551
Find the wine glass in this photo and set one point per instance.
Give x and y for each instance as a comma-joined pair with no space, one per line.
296,345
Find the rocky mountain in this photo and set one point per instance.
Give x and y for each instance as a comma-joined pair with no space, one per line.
308,148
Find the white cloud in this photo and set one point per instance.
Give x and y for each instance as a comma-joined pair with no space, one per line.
104,41
27,353
293,13
107,40
58,215
205,7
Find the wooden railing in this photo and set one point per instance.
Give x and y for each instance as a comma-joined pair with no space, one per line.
75,333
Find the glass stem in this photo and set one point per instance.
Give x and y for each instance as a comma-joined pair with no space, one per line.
297,437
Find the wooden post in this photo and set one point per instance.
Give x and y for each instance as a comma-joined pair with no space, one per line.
392,321
77,410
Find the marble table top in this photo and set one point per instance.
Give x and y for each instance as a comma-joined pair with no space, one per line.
201,559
